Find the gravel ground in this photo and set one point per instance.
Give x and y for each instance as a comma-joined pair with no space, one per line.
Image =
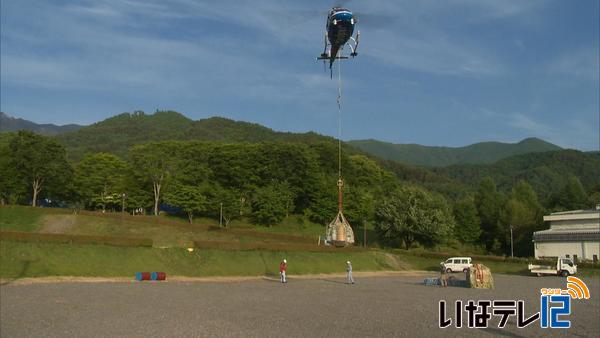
375,306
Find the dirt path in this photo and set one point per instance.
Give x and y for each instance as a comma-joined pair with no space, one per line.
217,279
396,263
57,224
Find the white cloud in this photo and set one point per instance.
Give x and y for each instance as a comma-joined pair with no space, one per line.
432,53
499,9
521,121
569,133
95,10
583,63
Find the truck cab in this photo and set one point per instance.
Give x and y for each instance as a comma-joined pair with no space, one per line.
563,267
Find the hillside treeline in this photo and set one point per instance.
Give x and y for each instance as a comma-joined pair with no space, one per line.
266,181
117,134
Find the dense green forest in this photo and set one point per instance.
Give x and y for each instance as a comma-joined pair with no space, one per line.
546,172
120,165
117,134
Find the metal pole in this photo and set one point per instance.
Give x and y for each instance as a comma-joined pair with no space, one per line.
123,204
365,233
511,242
221,216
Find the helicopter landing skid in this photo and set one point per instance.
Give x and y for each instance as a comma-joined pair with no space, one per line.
329,58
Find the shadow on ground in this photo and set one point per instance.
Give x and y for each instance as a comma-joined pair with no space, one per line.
22,273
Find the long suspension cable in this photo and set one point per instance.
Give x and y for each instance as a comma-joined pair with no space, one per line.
339,103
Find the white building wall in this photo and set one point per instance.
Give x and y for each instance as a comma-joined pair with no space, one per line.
583,249
591,249
575,224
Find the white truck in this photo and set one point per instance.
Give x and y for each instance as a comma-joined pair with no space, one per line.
563,267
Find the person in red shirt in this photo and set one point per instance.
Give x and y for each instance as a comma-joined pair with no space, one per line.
282,267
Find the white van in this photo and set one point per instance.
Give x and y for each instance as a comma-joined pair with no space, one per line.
456,264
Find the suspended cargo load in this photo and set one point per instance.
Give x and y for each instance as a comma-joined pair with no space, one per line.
339,232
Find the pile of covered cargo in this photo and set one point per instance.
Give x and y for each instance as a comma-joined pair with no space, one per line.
480,277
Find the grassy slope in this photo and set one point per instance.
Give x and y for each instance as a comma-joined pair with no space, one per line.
18,259
21,259
165,231
20,218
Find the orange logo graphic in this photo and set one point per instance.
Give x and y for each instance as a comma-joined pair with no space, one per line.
577,288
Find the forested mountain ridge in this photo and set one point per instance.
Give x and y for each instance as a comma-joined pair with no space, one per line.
547,172
9,123
478,153
117,134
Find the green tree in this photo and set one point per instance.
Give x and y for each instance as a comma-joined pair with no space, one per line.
411,215
39,162
359,205
323,201
467,228
269,203
12,189
572,196
225,200
100,180
594,196
190,199
136,196
523,213
365,172
155,163
488,203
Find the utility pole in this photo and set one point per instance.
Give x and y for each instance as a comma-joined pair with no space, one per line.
365,233
511,242
123,203
221,216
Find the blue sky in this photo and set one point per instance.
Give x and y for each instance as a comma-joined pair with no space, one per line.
446,73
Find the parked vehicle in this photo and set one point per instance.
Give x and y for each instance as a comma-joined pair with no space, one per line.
457,264
563,267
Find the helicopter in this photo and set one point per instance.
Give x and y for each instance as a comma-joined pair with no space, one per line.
338,33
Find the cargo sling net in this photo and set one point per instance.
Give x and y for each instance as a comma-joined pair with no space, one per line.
339,232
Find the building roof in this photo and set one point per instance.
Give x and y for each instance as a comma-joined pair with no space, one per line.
574,215
567,235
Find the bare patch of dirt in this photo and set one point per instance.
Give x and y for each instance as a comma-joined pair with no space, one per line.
57,224
396,263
